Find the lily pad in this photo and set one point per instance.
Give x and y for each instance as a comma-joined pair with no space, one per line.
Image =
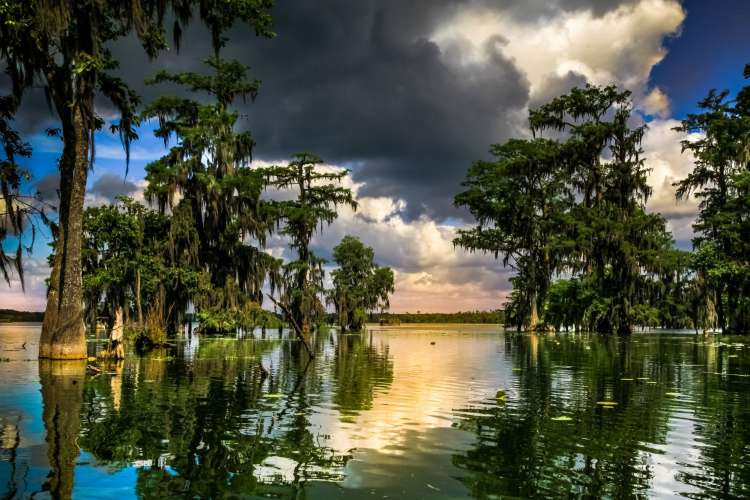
274,395
626,379
607,403
561,418
501,394
673,394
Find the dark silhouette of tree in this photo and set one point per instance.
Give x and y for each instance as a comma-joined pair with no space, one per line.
572,205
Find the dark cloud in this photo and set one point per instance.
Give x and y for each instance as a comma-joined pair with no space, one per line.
535,9
556,86
110,186
48,187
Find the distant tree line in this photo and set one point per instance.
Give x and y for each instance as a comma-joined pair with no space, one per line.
568,213
13,316
496,317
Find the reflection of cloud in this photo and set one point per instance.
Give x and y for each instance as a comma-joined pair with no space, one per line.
418,401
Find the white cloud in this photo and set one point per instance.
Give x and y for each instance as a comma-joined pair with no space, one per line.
36,271
663,150
656,103
431,275
621,46
96,199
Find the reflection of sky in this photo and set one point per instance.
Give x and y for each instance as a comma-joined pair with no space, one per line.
429,381
405,444
20,407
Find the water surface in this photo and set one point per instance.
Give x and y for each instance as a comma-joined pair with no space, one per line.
392,413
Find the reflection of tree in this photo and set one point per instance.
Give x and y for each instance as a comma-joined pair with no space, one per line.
206,428
62,394
521,451
10,439
722,424
358,369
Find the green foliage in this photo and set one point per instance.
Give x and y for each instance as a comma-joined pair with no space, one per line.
20,213
65,46
220,209
132,261
518,200
359,285
571,206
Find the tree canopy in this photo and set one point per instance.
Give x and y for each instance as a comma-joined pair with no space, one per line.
359,285
571,205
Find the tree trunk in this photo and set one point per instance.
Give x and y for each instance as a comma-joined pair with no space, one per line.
125,310
115,347
534,319
138,306
63,330
721,318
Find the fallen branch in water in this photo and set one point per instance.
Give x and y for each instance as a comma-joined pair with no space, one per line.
295,326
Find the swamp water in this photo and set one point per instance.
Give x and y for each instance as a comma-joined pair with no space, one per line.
393,413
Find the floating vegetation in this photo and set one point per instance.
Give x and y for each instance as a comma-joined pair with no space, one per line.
673,394
606,403
626,379
561,418
501,395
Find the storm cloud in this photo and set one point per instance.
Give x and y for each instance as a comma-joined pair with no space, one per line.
365,84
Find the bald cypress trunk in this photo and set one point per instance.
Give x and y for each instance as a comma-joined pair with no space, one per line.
63,330
534,315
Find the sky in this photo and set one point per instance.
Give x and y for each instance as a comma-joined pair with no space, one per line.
407,95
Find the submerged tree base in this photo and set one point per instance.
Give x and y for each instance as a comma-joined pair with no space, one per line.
68,344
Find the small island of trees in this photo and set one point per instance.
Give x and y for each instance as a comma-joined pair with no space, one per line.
568,213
